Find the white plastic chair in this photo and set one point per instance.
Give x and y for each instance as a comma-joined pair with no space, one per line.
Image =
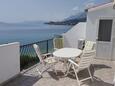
47,62
58,43
89,45
84,63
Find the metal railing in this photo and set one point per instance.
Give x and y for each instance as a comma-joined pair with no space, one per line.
28,56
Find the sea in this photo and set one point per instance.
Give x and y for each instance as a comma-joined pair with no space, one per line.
26,34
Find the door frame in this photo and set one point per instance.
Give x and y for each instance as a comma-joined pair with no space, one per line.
97,29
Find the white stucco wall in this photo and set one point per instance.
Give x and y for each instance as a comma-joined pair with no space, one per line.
104,50
9,61
74,34
93,17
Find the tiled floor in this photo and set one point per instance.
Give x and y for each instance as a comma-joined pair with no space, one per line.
102,71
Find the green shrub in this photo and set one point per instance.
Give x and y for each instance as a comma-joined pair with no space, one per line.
26,61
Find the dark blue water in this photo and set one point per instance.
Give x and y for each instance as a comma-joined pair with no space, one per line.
29,34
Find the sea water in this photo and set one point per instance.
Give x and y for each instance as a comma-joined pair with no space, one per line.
26,34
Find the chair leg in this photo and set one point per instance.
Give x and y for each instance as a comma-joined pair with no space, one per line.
90,74
93,66
65,65
54,69
39,72
76,75
68,67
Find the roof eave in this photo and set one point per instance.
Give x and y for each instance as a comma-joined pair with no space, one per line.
99,6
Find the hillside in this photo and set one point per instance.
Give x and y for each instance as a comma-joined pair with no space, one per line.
72,20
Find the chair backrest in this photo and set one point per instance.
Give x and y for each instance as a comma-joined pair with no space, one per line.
86,59
38,52
58,43
89,45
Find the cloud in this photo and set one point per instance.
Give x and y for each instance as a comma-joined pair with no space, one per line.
76,9
83,5
89,3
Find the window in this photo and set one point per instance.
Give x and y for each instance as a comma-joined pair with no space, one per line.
105,28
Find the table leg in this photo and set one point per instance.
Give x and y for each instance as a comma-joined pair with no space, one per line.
67,67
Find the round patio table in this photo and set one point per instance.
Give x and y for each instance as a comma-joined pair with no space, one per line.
65,54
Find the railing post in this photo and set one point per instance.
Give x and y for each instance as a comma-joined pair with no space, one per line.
47,46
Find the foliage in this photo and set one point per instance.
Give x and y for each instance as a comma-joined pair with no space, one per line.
27,61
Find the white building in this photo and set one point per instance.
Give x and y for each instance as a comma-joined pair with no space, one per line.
100,27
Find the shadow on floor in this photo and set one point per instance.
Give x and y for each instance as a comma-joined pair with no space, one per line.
97,82
57,76
23,80
96,67
100,66
81,74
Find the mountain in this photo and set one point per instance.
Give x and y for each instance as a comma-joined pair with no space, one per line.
72,20
77,16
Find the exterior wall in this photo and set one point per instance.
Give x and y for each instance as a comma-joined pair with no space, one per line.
113,44
113,54
9,61
74,34
92,20
93,17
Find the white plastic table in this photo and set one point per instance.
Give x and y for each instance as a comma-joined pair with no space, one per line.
67,53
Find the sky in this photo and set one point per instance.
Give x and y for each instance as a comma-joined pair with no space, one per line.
43,10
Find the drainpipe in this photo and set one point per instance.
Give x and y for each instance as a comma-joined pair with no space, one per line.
114,4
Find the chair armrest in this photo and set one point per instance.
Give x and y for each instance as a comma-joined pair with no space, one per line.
46,55
55,49
72,62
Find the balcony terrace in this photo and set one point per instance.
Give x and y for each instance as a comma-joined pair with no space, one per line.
99,28
102,71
